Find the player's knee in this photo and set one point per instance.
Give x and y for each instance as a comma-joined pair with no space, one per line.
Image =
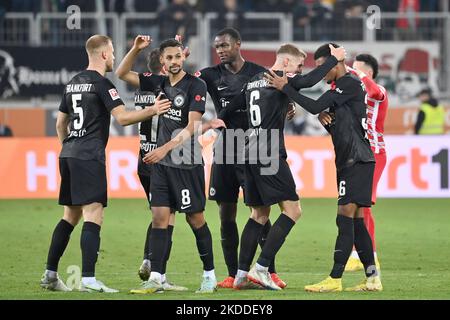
195,220
260,215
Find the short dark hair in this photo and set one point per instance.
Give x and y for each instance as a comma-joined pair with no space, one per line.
153,62
324,51
168,44
370,61
233,33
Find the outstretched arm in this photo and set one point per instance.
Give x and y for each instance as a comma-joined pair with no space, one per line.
124,70
312,106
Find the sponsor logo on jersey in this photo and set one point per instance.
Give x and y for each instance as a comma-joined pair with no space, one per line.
147,74
114,94
220,88
198,98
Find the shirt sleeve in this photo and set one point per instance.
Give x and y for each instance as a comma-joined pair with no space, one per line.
108,94
342,94
373,90
198,96
63,105
149,81
309,80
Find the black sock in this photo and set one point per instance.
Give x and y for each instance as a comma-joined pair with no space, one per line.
147,241
344,245
262,241
275,239
230,243
249,243
158,248
204,246
363,245
90,246
60,239
169,248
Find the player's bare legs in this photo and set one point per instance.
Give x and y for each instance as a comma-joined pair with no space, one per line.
203,238
61,236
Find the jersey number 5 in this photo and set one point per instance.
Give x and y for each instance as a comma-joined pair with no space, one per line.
255,111
78,123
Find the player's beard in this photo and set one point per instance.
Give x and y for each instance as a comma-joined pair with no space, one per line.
178,69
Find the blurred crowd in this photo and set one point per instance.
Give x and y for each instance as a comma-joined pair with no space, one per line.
316,20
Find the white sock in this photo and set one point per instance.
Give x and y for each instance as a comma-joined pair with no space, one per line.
88,280
156,276
163,278
209,273
51,274
241,273
354,254
261,268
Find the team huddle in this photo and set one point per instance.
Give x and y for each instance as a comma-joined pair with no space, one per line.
249,99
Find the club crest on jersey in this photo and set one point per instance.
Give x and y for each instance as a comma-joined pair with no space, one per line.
114,94
178,101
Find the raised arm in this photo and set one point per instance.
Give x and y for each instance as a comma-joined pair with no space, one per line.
124,70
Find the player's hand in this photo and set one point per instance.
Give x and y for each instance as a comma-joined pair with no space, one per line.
155,156
291,111
339,53
161,105
142,42
325,118
217,123
186,50
356,72
275,80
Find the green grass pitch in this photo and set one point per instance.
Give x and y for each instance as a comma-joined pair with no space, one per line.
413,246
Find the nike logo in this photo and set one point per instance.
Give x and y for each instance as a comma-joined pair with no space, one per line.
221,88
184,207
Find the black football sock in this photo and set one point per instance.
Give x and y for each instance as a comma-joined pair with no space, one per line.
158,248
147,241
262,241
230,243
204,246
275,239
90,246
169,248
363,244
344,245
60,239
249,243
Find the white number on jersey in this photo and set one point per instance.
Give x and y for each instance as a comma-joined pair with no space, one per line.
255,111
78,123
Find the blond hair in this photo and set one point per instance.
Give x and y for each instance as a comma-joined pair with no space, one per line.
291,50
96,42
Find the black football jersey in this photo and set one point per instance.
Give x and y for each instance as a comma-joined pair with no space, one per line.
348,108
223,86
148,130
88,100
188,94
